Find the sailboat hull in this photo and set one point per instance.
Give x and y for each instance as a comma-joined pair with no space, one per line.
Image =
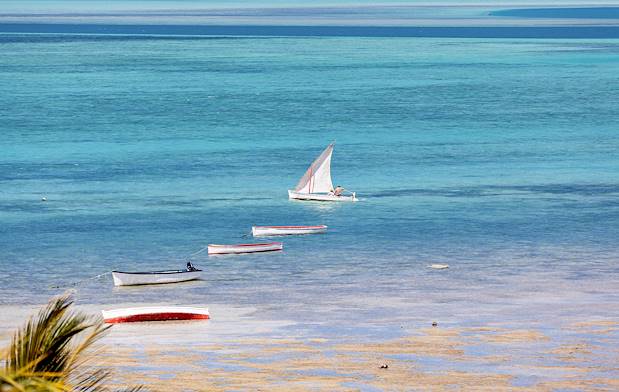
319,196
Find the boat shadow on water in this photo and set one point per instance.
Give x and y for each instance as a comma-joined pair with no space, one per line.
160,286
233,255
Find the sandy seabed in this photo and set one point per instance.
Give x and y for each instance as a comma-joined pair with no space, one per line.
434,358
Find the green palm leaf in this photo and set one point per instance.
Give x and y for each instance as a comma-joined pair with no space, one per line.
49,353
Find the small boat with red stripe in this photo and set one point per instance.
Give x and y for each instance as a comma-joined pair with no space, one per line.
265,231
214,249
154,313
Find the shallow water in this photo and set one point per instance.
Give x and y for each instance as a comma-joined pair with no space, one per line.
495,156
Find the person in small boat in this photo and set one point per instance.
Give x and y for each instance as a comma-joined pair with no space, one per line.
338,190
190,266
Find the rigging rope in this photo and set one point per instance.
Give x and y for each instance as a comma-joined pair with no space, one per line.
196,253
82,281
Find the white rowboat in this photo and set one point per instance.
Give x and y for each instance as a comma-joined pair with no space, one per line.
154,313
263,231
438,266
316,183
154,277
244,248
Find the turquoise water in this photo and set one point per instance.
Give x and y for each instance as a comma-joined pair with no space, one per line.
497,157
43,6
576,13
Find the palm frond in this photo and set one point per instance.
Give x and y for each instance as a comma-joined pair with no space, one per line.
44,343
24,381
47,355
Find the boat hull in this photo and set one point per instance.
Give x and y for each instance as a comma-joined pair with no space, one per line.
154,313
319,196
263,231
244,248
157,277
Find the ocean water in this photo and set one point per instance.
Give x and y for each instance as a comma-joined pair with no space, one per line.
563,12
495,156
312,30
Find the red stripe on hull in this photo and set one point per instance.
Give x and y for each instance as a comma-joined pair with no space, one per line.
157,317
244,252
246,245
256,245
291,227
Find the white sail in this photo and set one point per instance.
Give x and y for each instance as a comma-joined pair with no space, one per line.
317,178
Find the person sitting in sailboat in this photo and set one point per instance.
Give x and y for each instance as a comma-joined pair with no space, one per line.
338,190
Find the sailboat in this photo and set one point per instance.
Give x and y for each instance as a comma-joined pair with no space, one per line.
316,182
